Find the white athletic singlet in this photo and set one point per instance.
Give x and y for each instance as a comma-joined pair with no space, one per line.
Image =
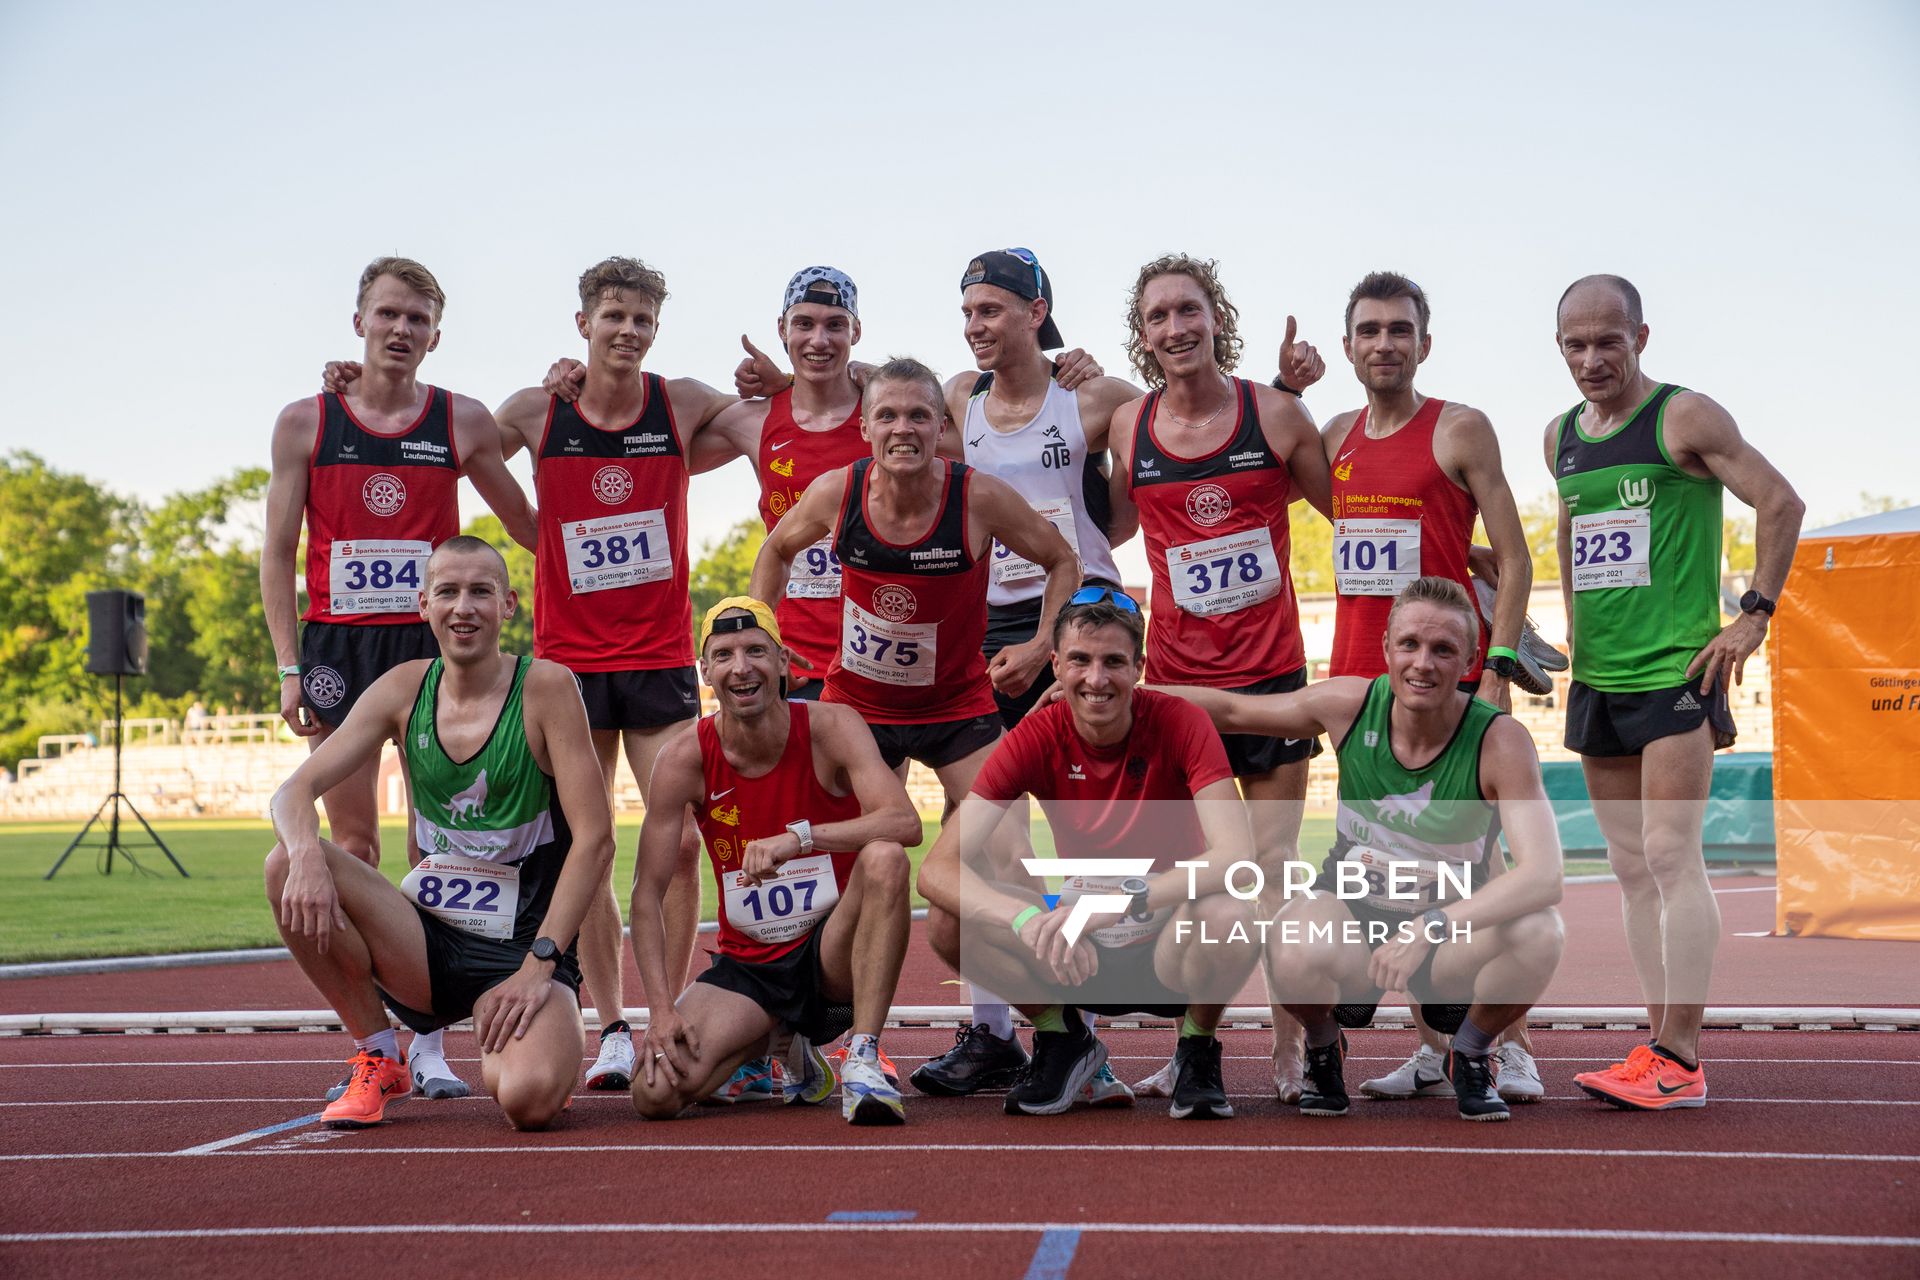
1048,463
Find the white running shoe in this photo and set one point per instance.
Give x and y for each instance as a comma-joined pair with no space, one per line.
1518,1079
866,1095
613,1068
1157,1085
433,1079
1105,1090
1421,1076
807,1078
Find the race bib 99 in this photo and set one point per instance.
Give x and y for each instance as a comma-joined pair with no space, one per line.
617,551
377,576
1375,557
1008,567
473,896
814,573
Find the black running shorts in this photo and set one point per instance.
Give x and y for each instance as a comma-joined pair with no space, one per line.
639,699
461,968
1622,724
792,988
935,745
1127,983
1252,754
1442,1017
340,661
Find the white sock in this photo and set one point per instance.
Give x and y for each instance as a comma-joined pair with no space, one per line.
1090,1018
992,1012
864,1046
428,1043
385,1043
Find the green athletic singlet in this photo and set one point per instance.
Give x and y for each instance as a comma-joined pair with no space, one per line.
1646,552
1411,820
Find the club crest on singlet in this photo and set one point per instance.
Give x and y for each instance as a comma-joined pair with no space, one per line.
1209,504
894,603
612,485
384,494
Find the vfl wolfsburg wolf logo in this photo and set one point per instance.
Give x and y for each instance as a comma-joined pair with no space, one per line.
470,803
1408,806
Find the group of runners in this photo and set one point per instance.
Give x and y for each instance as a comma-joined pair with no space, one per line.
938,585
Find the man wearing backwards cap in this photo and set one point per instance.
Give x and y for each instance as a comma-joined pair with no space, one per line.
806,829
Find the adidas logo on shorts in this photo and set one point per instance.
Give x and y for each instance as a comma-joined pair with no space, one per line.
1687,701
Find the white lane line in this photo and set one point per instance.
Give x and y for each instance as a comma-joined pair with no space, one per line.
1082,1148
1773,1238
264,1131
1712,1059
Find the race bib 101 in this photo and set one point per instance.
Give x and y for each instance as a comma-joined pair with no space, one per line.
815,573
473,896
785,904
897,653
1375,557
617,551
1225,574
377,576
1610,549
1008,567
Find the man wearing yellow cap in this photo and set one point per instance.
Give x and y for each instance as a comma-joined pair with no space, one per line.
806,829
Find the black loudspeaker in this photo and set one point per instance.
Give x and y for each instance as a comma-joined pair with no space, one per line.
116,633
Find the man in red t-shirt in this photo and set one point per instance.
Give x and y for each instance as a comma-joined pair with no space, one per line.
806,829
1134,779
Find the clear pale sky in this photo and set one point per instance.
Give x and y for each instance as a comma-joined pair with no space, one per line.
190,193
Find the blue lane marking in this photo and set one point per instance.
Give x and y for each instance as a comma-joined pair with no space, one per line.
873,1215
208,1148
1054,1256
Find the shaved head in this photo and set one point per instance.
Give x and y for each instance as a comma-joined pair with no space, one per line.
1621,288
468,545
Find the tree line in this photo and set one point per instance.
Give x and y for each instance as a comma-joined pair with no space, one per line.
195,555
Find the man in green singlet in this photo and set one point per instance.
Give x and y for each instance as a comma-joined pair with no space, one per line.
515,832
1430,778
1640,467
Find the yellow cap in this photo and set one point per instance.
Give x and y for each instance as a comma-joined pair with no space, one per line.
762,618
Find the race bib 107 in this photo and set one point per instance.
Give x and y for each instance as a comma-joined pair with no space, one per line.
784,905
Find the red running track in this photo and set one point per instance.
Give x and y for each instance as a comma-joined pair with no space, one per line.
1805,1163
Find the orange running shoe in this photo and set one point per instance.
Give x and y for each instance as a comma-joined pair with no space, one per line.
1647,1081
374,1083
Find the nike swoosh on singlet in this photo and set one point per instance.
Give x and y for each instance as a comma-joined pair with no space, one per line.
716,795
781,445
1344,456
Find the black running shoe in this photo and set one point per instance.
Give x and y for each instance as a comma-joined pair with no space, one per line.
1197,1090
1473,1076
978,1060
1063,1063
1326,1091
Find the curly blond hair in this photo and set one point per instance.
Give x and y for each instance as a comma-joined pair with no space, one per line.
1227,342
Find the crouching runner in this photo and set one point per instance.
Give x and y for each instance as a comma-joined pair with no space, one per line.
1430,777
516,831
1144,815
806,829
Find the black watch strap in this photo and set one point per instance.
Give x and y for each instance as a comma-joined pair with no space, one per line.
1279,384
546,949
1503,666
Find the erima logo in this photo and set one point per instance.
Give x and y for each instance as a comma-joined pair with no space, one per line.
1636,491
1076,773
1687,701
1088,904
1149,462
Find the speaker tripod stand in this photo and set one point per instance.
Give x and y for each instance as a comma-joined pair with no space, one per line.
111,808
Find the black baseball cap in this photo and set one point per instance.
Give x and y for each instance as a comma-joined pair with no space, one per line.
1018,272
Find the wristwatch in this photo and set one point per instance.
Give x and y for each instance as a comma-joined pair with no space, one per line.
803,832
1754,602
1503,666
1279,384
1430,919
1136,890
546,949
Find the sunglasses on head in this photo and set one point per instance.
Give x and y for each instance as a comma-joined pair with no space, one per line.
1102,595
1027,256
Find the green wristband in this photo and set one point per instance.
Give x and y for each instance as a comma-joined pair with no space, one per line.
1020,921
1501,651
289,671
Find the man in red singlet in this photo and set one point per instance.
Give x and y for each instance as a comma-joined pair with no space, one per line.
913,532
1211,463
806,829
374,474
1410,474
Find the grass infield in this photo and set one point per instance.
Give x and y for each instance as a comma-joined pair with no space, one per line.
83,914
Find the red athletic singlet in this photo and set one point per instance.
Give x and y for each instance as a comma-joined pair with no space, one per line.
1396,516
1217,544
765,921
377,506
790,459
912,617
610,579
